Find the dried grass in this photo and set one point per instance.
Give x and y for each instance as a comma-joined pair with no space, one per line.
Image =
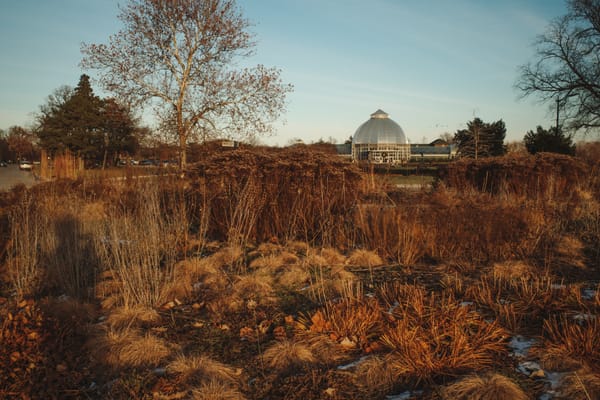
574,339
288,356
215,390
332,256
133,317
486,387
127,348
510,270
581,385
433,335
201,369
374,376
148,350
364,258
354,323
294,277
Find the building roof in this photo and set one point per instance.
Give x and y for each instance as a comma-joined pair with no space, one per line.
379,129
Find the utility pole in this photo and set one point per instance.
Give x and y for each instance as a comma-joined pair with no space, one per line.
557,111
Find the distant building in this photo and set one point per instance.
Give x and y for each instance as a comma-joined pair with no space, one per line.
380,140
436,150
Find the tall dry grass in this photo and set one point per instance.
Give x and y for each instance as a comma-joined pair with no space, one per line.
25,271
140,247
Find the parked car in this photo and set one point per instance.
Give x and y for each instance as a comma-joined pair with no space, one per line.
3,164
25,165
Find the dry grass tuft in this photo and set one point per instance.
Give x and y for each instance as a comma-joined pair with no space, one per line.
433,335
268,249
353,323
228,256
487,387
148,350
255,287
198,369
287,356
512,270
294,276
332,256
215,390
298,247
555,359
581,385
364,258
132,317
128,348
198,274
574,339
374,376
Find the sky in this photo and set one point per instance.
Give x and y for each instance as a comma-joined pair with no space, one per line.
432,65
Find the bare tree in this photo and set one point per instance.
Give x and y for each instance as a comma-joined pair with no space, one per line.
180,56
567,70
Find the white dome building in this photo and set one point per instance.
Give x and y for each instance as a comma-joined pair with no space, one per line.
380,140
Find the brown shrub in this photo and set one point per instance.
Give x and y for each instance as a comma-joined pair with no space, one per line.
544,175
256,195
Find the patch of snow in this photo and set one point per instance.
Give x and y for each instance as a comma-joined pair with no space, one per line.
466,303
558,286
583,317
528,367
554,378
404,395
588,294
520,346
160,371
353,364
393,307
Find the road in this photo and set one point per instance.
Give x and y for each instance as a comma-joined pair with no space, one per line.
11,176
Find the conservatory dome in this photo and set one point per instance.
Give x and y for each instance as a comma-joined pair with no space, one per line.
379,129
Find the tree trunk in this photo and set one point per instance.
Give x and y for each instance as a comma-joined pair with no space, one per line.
182,153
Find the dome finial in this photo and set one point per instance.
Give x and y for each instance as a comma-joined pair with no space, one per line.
380,114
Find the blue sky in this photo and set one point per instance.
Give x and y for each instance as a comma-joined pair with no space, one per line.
432,64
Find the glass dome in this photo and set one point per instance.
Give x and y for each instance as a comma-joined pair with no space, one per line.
380,129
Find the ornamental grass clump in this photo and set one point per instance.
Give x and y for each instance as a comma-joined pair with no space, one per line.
433,335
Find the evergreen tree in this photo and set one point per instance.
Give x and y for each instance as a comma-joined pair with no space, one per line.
481,139
79,121
553,140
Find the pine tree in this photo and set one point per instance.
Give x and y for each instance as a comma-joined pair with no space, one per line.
481,139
